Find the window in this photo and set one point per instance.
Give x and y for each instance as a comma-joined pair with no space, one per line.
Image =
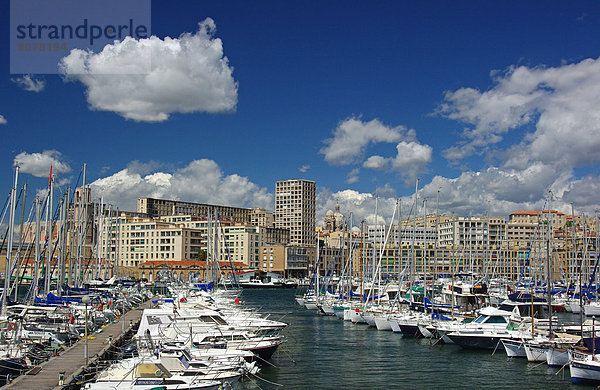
496,320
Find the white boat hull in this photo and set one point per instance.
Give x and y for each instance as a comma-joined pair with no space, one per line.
557,357
382,323
535,353
591,310
514,348
394,326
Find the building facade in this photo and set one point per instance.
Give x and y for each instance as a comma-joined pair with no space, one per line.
295,209
163,207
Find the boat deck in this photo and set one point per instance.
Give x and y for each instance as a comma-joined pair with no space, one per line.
71,361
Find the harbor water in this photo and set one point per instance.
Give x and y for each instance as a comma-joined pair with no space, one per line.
327,353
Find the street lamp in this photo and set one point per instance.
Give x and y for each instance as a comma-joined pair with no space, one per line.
86,299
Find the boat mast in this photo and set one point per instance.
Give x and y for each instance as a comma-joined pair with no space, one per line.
414,237
348,284
18,281
437,234
11,225
375,241
399,206
36,261
360,269
573,261
318,288
423,253
61,244
118,245
549,263
49,227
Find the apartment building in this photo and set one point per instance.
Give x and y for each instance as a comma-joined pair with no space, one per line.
261,217
295,208
559,220
163,207
291,261
472,232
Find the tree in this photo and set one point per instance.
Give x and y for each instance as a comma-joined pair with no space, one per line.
201,255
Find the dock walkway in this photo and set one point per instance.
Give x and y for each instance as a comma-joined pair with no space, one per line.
71,361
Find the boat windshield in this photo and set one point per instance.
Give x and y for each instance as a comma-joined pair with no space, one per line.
480,319
496,320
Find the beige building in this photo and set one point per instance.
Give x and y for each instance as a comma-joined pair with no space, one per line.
289,260
559,220
472,232
260,217
163,207
430,220
273,258
183,237
295,208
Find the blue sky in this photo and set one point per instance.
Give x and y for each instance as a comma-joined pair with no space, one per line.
372,78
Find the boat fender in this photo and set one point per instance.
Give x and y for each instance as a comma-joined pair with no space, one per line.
12,326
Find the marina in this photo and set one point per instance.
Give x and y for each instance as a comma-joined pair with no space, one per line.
274,195
68,364
326,352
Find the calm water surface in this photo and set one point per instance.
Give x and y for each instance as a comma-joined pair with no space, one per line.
327,353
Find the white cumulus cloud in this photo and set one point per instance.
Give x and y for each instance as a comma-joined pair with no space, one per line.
556,106
200,181
352,176
38,164
412,158
148,79
3,120
352,136
29,83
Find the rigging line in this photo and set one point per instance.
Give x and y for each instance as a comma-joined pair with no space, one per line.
5,208
266,361
269,382
536,366
256,384
531,244
562,368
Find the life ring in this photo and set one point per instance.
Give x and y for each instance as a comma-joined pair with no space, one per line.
12,326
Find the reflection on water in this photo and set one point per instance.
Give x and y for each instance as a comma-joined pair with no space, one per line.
327,353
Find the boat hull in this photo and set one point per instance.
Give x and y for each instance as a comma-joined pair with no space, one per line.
382,323
535,353
583,373
557,357
476,342
514,348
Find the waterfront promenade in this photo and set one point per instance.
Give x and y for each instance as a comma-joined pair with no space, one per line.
71,361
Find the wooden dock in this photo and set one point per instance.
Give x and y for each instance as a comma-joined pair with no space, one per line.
72,360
